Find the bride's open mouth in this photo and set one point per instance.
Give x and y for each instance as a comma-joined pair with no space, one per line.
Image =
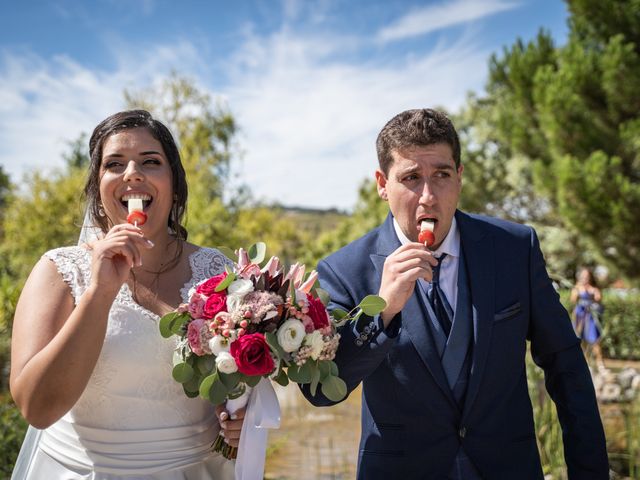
147,200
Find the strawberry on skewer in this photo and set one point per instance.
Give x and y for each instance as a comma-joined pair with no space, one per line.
426,235
136,215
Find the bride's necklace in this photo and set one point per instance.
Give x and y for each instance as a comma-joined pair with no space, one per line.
149,290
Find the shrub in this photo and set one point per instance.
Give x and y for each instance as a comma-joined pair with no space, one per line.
12,430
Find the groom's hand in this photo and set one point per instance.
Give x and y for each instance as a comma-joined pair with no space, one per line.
401,270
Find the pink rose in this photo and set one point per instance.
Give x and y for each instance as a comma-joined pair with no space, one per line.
196,305
317,312
194,336
216,303
252,355
209,286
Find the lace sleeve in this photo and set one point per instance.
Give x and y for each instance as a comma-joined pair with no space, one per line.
73,265
205,263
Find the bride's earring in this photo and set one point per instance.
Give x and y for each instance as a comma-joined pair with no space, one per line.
101,212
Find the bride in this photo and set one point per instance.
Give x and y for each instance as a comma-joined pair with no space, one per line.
88,364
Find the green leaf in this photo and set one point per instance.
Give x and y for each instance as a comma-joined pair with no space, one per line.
339,314
166,323
282,378
178,322
324,369
323,295
257,252
193,385
218,392
189,393
253,380
227,252
305,371
205,364
226,282
334,388
334,368
182,373
272,341
372,305
230,380
315,377
206,384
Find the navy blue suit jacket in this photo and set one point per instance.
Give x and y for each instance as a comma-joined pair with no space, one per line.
411,425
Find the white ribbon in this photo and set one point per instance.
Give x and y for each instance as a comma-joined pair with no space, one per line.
262,412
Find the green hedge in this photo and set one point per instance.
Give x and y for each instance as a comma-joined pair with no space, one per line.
620,321
12,430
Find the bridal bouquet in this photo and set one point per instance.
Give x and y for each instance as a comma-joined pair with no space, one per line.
253,322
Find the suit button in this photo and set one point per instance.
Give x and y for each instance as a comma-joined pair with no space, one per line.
462,432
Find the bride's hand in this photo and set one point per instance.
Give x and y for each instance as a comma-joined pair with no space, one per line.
115,255
230,426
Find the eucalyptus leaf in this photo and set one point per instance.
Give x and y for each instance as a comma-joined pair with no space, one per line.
315,378
324,368
226,282
306,371
192,385
189,393
182,373
334,368
205,364
257,252
218,392
323,295
372,305
282,378
165,324
206,384
334,388
230,380
272,341
227,252
178,322
252,381
294,373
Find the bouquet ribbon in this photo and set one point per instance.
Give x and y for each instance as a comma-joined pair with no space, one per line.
263,412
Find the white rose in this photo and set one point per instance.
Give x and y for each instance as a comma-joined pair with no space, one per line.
240,287
233,302
219,344
290,335
225,363
316,342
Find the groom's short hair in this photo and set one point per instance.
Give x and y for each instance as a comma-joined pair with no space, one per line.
411,128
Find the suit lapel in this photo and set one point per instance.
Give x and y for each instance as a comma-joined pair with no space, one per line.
480,260
414,316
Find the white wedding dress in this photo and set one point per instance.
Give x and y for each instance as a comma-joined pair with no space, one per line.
133,420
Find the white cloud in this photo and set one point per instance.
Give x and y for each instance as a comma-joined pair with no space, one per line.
439,16
310,121
308,117
45,103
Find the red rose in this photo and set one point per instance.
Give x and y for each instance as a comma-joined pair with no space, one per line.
252,355
217,302
318,313
209,286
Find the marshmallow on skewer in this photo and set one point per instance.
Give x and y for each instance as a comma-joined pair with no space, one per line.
426,235
136,215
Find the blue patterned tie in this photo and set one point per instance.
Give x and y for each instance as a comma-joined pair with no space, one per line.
438,300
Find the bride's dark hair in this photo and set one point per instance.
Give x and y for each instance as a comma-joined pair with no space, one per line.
124,121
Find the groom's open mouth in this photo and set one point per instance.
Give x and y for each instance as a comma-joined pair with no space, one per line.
145,197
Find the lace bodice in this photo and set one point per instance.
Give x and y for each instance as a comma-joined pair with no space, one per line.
131,389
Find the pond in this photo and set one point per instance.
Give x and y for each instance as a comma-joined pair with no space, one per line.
314,443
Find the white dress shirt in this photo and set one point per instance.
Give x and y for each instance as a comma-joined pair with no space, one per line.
449,266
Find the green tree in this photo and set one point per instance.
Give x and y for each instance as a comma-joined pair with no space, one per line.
572,114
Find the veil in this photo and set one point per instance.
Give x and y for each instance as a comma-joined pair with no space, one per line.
88,233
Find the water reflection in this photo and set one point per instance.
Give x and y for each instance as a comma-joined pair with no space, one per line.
314,443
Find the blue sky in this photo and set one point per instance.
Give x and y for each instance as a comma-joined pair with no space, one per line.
310,82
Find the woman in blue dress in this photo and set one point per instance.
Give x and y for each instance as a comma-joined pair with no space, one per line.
586,297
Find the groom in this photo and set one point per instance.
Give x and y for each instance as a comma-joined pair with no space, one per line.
444,387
